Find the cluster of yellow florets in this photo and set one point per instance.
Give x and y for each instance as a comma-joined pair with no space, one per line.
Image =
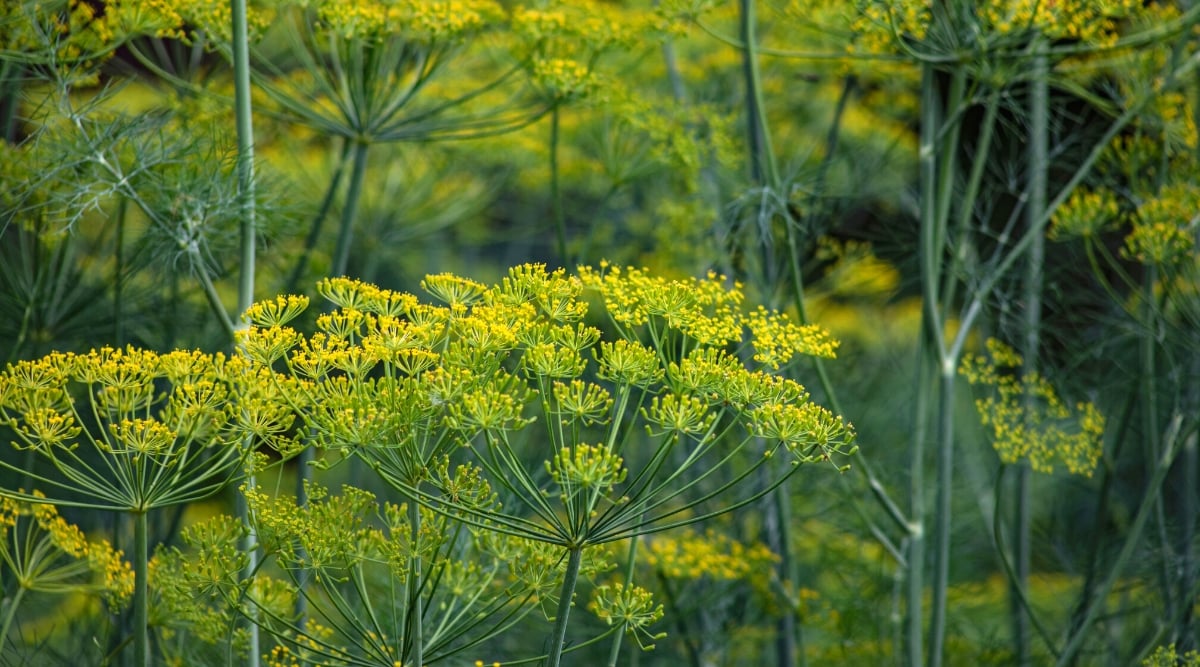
415,20
714,556
1163,231
882,26
706,310
46,553
630,606
1085,214
1046,434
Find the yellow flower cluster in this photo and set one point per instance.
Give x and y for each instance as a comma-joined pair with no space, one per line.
585,467
1164,228
563,79
882,25
1085,214
630,606
808,430
703,309
422,21
1091,21
680,415
183,19
1167,656
45,553
777,340
331,532
578,27
66,32
403,382
713,555
145,412
1046,434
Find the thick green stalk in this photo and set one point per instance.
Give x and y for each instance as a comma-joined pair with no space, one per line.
559,637
318,222
762,155
942,523
766,172
10,89
790,645
249,232
1149,394
119,274
1132,541
417,654
341,252
245,151
141,592
1038,170
556,203
930,336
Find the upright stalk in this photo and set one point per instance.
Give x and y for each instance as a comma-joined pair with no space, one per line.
1038,169
141,592
1133,539
119,274
556,203
341,252
245,179
414,585
762,155
630,562
930,336
765,172
559,637
945,485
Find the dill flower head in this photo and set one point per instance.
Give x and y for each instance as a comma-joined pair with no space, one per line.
1047,431
46,553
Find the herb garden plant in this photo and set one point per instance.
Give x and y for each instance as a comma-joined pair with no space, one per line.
990,204
521,440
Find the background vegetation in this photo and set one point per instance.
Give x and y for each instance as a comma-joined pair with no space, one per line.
991,205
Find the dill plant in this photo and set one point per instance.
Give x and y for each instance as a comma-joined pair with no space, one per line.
133,431
43,553
578,440
968,59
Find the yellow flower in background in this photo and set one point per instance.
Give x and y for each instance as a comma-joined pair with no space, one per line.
45,553
1046,432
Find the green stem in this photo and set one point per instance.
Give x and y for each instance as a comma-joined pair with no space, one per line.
556,202
942,522
1132,541
1038,171
762,154
559,637
417,655
141,593
790,643
341,252
630,561
245,152
927,356
119,273
10,99
10,615
1016,590
1149,394
318,222
249,231
214,301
